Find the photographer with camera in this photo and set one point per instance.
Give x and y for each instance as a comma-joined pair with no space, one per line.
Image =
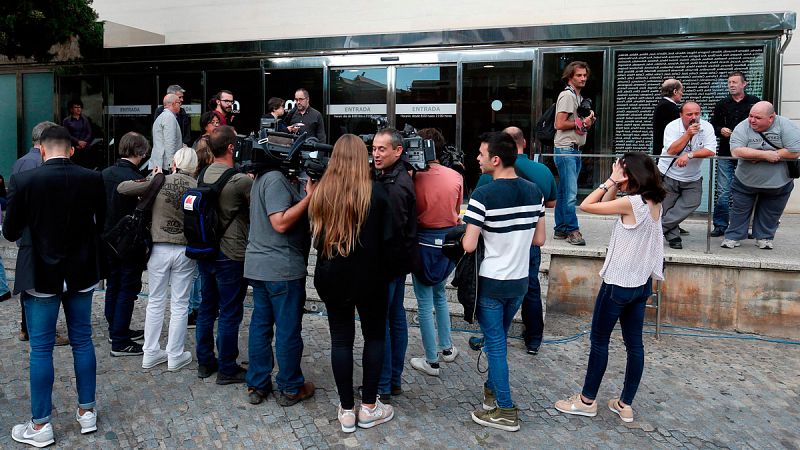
574,117
387,149
305,119
690,138
275,266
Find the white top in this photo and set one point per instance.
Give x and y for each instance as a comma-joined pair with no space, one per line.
704,139
167,140
636,252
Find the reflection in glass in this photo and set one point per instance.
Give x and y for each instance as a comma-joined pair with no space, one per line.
358,86
426,98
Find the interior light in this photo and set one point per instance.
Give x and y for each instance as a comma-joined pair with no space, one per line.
488,66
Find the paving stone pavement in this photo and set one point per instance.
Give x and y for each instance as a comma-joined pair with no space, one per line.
696,393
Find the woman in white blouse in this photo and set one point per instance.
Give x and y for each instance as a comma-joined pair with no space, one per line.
635,256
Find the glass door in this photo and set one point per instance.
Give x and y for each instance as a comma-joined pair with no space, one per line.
358,96
425,97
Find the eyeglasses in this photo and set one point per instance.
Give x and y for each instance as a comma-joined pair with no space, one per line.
226,101
300,99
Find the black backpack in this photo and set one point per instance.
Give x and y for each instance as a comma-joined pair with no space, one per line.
201,217
130,238
546,126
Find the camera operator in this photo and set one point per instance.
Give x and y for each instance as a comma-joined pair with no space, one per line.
275,266
439,191
691,138
305,119
276,109
387,148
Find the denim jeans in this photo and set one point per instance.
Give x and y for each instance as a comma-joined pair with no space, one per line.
725,172
569,167
3,281
277,311
495,316
532,303
767,203
197,291
224,289
428,298
42,317
122,289
626,305
396,337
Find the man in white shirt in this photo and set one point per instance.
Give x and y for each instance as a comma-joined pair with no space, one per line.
688,139
167,138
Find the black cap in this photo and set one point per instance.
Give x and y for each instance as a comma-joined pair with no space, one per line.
57,133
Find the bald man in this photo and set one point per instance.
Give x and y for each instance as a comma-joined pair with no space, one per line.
763,183
167,138
687,139
666,111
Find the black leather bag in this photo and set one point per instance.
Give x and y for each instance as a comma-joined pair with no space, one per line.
130,237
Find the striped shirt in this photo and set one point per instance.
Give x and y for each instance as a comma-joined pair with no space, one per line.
506,211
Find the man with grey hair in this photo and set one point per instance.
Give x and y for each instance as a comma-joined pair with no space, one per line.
666,111
184,121
761,186
166,134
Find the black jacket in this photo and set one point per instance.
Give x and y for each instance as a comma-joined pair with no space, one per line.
403,204
727,114
665,112
118,205
467,274
63,205
184,122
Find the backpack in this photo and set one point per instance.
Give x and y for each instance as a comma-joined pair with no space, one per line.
546,126
130,238
201,217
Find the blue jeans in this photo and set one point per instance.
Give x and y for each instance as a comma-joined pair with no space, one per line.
396,337
224,289
725,172
277,311
3,281
197,289
532,303
494,316
42,316
766,205
428,298
627,305
122,289
569,167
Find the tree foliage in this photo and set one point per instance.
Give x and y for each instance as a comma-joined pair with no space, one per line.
29,28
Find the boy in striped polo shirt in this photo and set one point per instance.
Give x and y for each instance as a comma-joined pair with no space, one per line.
509,215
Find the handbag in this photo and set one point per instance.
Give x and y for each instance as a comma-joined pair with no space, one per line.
792,166
130,237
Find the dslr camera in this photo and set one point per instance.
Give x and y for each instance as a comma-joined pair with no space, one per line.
585,108
417,152
294,155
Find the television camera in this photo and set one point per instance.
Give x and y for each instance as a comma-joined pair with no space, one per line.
417,152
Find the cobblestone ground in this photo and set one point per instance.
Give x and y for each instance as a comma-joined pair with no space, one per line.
696,393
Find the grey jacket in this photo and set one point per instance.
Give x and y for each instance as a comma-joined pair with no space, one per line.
166,140
167,213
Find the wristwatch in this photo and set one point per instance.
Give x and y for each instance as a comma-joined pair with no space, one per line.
603,186
690,155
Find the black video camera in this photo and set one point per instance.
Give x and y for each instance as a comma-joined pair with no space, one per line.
585,108
417,152
292,154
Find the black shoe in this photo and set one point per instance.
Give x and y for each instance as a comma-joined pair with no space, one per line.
386,399
717,232
476,343
237,377
683,232
5,296
206,371
560,235
131,350
192,321
532,350
256,396
397,389
675,243
137,335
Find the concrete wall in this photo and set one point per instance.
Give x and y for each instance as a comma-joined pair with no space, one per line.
746,299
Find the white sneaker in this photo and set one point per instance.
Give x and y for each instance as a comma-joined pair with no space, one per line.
729,243
424,366
180,362
368,418
25,433
347,418
88,421
764,244
148,362
452,356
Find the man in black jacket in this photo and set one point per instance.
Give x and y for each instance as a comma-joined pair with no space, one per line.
63,207
666,111
387,148
125,276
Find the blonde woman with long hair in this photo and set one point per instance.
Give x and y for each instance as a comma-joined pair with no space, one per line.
350,224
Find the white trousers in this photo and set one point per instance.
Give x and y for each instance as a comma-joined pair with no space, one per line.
168,267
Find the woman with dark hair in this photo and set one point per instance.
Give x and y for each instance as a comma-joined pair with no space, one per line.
350,226
635,256
208,121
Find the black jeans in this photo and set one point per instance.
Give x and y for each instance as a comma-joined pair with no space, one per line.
122,289
341,321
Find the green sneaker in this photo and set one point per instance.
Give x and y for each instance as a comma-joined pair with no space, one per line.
489,401
500,418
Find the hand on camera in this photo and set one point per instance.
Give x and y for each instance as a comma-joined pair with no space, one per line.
311,185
